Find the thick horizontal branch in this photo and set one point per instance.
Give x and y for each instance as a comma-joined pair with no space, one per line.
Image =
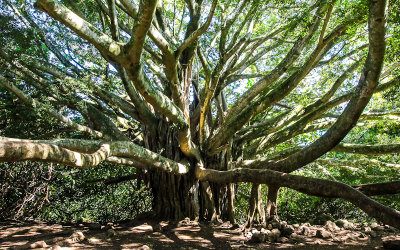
80,153
367,149
391,187
21,151
307,185
374,115
126,162
357,163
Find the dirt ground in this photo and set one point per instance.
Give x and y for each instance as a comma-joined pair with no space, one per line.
166,235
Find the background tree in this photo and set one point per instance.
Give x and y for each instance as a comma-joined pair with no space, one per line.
199,95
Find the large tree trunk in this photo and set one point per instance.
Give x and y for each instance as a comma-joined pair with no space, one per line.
183,196
177,197
174,197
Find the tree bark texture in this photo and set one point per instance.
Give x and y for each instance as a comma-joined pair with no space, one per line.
190,153
256,213
271,211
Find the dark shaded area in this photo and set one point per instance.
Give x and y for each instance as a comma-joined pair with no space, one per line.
54,193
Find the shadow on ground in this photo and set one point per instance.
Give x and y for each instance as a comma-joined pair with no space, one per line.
154,235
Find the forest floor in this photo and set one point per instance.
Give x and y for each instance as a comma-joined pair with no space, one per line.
178,235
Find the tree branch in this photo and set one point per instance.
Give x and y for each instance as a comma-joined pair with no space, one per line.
114,20
368,82
367,149
83,28
290,57
32,102
384,188
328,15
21,151
307,185
357,163
85,153
134,47
193,37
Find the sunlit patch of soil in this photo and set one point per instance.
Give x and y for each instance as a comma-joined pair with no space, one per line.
167,235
